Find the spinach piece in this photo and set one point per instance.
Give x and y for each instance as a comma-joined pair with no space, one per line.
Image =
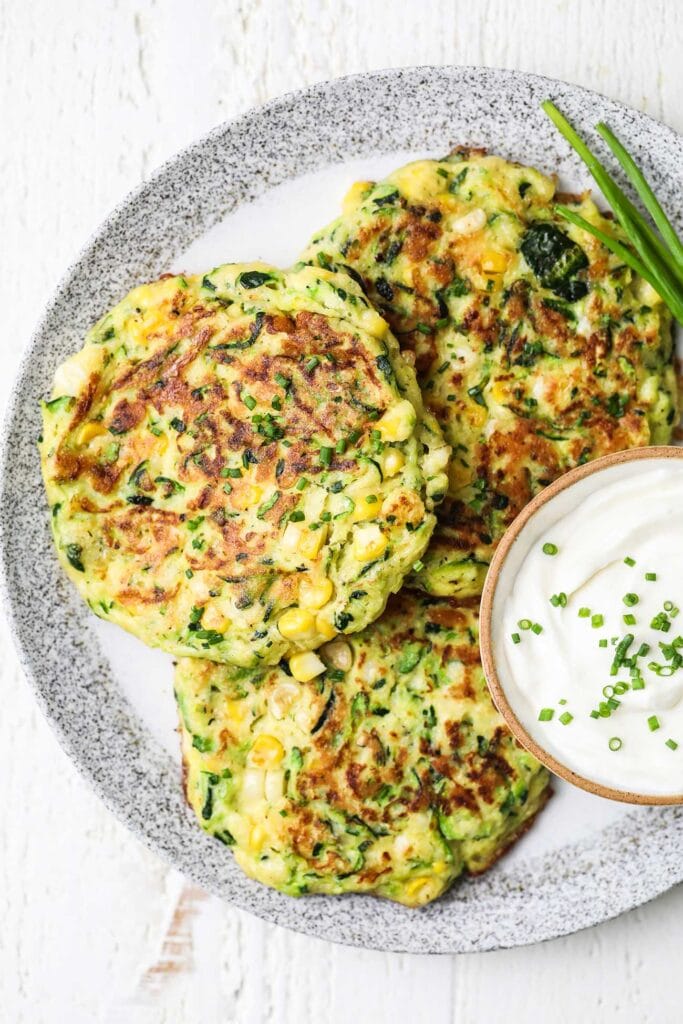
555,259
384,289
384,364
254,278
74,554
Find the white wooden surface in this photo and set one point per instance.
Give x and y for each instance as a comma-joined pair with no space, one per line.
93,928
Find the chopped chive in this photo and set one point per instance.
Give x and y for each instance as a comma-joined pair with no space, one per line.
566,717
549,548
546,714
629,620
559,600
312,363
595,714
602,643
525,623
643,650
325,456
629,561
340,446
584,613
653,723
283,381
516,638
562,701
631,599
638,683
668,606
248,401
671,744
235,474
615,743
597,621
537,628
303,482
227,488
651,577
608,691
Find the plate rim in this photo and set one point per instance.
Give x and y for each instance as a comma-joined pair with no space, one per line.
295,922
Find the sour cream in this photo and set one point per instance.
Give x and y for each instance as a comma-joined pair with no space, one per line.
607,547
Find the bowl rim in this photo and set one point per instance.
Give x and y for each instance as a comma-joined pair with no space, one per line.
519,731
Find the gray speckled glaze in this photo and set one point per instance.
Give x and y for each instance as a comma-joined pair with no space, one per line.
428,109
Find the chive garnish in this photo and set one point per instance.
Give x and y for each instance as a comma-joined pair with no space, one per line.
525,623
629,620
603,643
630,561
249,401
671,744
545,714
516,638
325,456
597,621
653,723
631,599
648,254
615,743
566,717
651,577
549,548
584,613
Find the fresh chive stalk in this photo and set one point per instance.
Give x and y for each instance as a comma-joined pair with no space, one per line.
659,260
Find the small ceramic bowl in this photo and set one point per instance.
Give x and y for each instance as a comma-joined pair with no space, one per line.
494,592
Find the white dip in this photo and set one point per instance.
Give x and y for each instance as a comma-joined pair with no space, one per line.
631,511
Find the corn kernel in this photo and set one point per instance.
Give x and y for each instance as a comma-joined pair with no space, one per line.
88,431
267,752
338,654
247,497
373,323
494,262
312,541
469,223
369,542
398,422
297,624
235,710
257,838
364,509
394,461
213,618
315,593
291,537
306,666
324,625
282,698
499,392
355,195
418,887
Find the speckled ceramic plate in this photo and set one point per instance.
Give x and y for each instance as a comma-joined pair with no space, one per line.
258,187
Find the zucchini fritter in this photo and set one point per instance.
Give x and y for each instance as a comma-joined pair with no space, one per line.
536,349
238,465
391,774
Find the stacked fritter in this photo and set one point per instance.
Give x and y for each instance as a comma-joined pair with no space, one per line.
536,348
241,469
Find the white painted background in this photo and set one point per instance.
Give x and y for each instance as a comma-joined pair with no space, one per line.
93,928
